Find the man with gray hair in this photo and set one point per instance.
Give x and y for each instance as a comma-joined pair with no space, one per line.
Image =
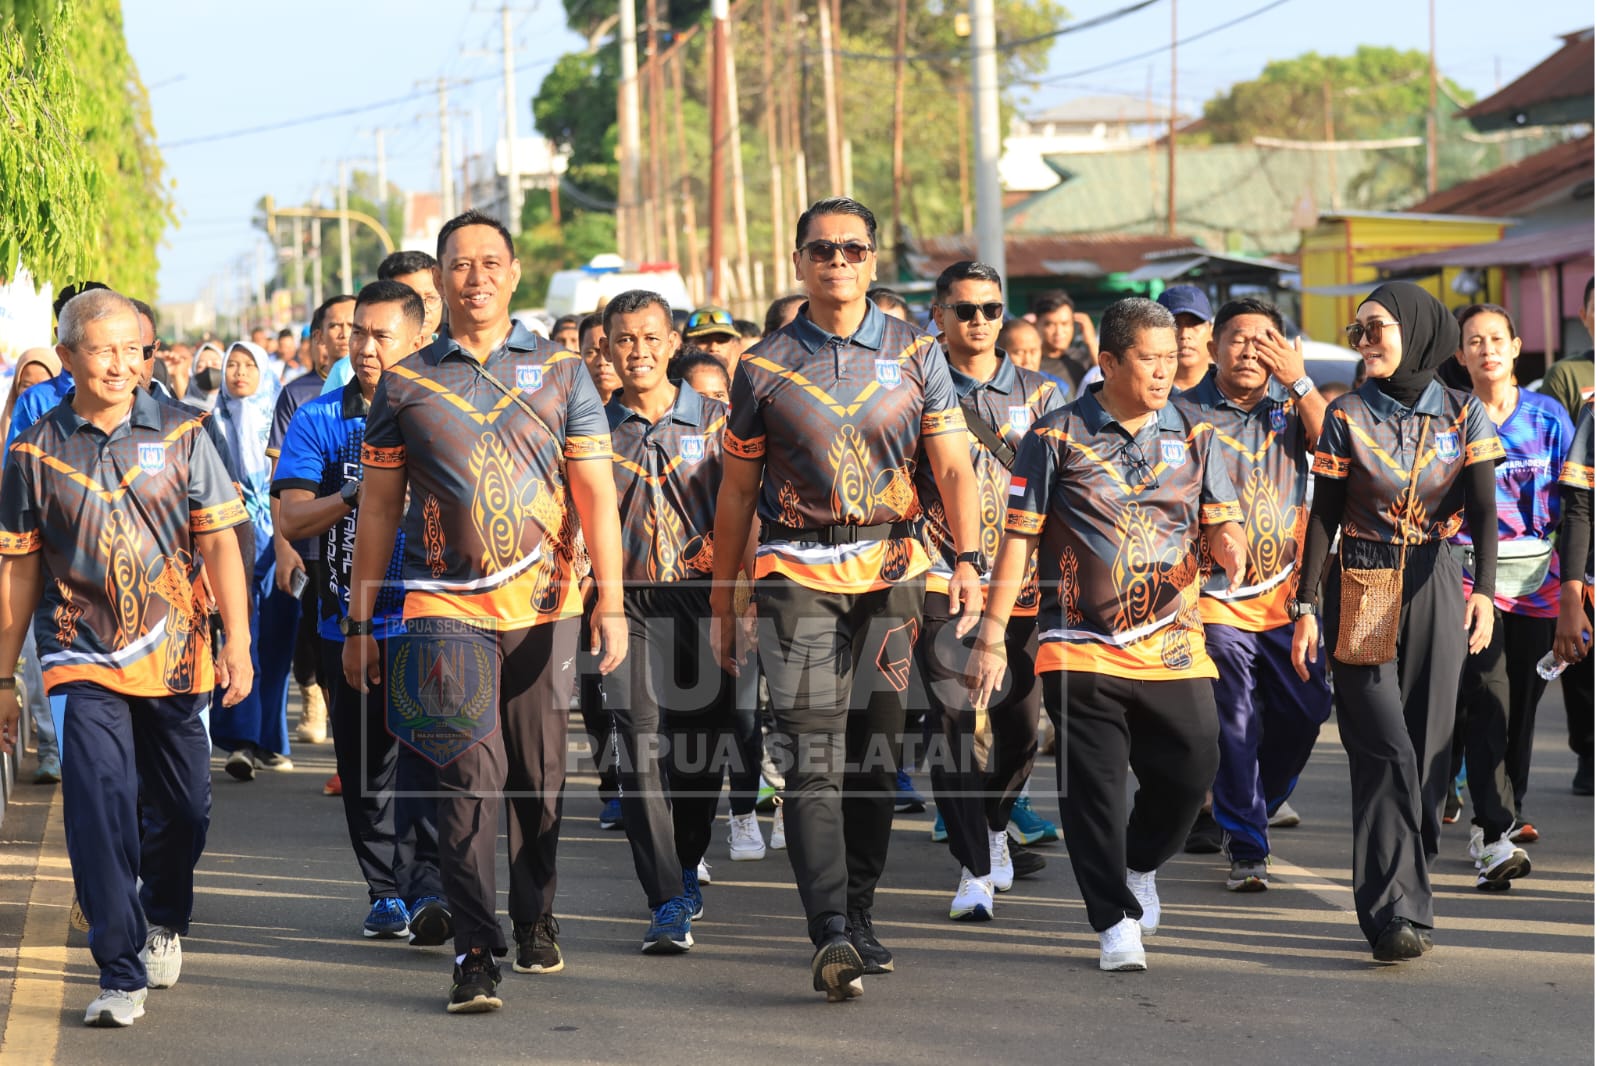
1115,492
108,506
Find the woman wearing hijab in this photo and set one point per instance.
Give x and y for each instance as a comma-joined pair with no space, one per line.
1401,461
205,376
255,732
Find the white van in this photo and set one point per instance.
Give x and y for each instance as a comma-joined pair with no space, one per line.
581,291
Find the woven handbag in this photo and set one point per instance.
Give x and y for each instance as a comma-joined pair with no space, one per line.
1369,600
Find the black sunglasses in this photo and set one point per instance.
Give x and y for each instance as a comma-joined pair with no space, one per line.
1372,329
151,349
820,251
964,311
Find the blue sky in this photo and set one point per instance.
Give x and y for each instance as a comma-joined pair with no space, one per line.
219,67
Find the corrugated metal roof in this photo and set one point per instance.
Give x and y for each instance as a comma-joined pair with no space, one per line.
1048,256
1565,75
1545,177
1529,250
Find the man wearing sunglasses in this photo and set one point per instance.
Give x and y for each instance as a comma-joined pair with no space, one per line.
999,402
827,419
714,329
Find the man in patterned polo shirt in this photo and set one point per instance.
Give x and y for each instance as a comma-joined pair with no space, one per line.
389,807
490,428
1267,414
999,401
110,504
672,707
828,414
1116,492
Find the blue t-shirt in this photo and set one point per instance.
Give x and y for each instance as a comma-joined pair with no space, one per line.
321,451
36,403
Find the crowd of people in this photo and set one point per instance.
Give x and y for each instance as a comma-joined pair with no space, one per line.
808,557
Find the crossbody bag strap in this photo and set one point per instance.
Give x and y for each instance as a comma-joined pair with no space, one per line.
516,399
988,437
1410,496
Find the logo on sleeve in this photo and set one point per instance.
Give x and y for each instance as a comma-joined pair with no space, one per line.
153,457
529,377
888,373
692,449
1019,418
1448,445
1174,453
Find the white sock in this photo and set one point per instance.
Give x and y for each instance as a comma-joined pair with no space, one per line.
460,959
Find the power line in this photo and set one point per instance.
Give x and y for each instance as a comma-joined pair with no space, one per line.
1001,46
1164,48
344,112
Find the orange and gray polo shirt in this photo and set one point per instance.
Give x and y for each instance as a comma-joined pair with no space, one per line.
115,517
1119,518
489,531
1264,451
1009,403
667,476
837,422
1371,441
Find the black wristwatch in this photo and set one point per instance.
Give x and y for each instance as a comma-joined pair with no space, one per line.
1299,609
972,559
350,493
8,684
352,627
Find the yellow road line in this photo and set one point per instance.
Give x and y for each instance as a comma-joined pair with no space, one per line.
33,1029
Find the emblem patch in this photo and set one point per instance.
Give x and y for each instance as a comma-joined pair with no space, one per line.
444,689
1448,445
153,457
1279,419
692,449
1174,453
1019,417
888,373
529,378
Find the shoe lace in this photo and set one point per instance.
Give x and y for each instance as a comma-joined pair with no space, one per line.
546,929
861,922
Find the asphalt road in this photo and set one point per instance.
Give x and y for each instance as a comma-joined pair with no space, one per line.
275,968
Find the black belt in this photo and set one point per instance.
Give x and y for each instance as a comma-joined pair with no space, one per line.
833,535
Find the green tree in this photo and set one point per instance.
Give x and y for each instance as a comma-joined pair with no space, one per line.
81,185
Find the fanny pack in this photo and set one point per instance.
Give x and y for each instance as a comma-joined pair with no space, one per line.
1523,568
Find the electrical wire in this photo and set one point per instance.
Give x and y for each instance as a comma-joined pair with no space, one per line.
1163,49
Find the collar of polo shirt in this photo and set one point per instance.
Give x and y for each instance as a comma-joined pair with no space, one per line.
145,413
685,409
1209,392
1004,380
1431,402
520,339
867,335
1096,418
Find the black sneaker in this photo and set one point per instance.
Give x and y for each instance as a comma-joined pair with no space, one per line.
537,950
1583,780
1398,942
836,969
1206,836
476,978
431,923
875,958
1024,863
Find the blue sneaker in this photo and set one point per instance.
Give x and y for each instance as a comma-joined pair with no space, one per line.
692,897
669,928
940,834
388,919
1026,827
907,800
611,814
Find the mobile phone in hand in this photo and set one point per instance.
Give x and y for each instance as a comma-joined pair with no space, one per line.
297,583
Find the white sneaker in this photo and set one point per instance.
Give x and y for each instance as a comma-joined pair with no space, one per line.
1143,887
1499,863
702,873
744,838
778,842
974,900
1475,843
162,957
1121,949
1285,818
113,1007
1001,872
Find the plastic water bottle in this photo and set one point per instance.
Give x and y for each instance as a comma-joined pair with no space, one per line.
1550,667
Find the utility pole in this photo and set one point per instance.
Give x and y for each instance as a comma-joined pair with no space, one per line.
316,259
513,178
830,102
898,164
986,121
659,194
447,192
719,121
741,231
300,294
774,156
691,232
383,171
628,235
1433,108
1172,134
345,283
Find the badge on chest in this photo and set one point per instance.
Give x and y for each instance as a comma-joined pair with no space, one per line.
1448,445
530,377
1019,419
692,449
1279,417
1174,453
153,457
888,373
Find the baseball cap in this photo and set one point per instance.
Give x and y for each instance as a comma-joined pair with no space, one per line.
1186,300
710,322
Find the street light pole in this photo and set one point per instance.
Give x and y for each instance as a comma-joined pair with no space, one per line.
986,123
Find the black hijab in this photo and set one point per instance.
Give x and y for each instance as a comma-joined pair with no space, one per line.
1428,336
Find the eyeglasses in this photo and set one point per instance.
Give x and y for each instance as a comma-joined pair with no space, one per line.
820,251
965,311
1372,329
151,349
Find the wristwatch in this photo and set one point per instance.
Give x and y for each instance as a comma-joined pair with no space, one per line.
1298,610
350,493
972,559
352,627
7,684
1302,388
